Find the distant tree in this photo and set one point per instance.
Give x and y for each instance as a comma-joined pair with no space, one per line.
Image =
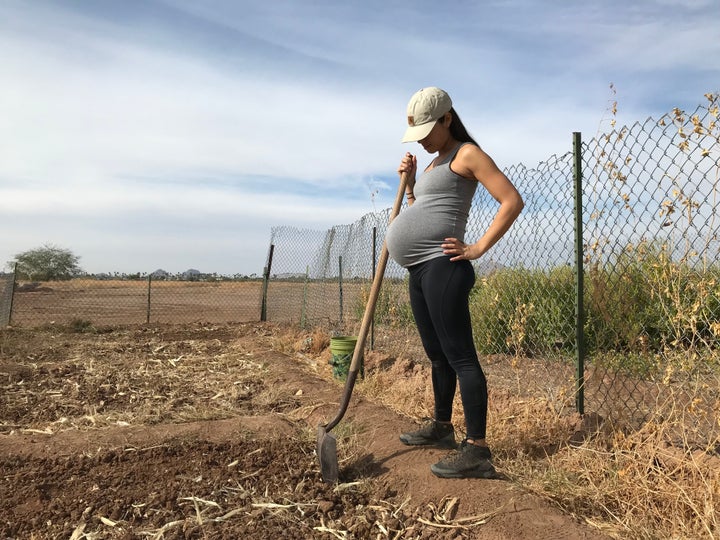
160,274
191,275
47,263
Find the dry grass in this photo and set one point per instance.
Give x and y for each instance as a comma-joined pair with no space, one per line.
637,485
655,482
113,383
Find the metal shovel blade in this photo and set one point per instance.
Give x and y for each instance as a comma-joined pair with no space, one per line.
327,454
326,441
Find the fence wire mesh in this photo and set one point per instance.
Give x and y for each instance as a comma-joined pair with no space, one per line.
87,301
652,287
651,293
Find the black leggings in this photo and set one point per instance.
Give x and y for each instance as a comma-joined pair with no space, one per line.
439,294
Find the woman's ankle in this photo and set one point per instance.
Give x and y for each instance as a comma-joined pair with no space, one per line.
477,442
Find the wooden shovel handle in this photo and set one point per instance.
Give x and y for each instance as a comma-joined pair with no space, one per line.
369,312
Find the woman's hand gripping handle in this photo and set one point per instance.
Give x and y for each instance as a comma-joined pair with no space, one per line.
408,167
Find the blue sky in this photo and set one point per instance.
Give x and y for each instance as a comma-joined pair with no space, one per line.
174,134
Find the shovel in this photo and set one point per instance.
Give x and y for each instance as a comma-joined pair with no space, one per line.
326,441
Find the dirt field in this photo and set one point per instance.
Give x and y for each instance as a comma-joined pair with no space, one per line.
208,431
135,302
115,302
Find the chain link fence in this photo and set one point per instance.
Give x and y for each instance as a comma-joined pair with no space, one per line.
523,305
652,279
636,329
608,280
87,301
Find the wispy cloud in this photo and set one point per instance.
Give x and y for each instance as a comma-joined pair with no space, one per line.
131,120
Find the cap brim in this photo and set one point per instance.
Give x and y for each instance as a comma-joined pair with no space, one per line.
416,133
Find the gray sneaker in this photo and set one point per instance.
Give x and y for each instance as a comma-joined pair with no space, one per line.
431,433
470,461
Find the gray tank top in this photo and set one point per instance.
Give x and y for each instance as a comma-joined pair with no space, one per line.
441,210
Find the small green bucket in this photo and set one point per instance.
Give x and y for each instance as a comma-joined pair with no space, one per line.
342,348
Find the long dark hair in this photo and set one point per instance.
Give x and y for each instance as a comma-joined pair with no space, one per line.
458,131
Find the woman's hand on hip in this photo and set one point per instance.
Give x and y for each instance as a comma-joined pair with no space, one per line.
460,250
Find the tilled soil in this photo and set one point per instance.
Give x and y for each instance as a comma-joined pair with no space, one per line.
182,488
207,432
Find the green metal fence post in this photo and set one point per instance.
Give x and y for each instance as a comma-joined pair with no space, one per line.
579,275
147,318
266,279
340,284
374,263
303,311
12,295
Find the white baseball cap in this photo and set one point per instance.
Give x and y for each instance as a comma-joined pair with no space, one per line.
426,106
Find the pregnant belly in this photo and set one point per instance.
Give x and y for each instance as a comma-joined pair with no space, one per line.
415,236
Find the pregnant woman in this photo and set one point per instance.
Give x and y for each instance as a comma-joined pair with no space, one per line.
428,239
